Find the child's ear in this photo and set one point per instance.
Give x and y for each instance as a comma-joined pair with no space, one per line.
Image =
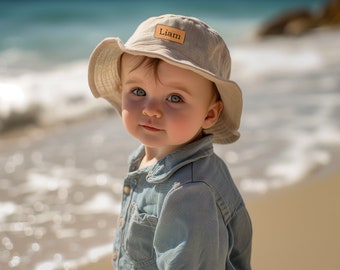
213,114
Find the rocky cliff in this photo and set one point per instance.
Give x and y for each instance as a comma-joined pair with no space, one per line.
298,22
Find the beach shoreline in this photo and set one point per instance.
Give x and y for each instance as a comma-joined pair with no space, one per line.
295,227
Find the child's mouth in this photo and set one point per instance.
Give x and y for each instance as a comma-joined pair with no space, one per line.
150,128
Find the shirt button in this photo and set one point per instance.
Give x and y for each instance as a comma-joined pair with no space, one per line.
127,190
121,221
115,256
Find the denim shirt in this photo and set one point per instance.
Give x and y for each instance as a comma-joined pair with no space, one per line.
184,212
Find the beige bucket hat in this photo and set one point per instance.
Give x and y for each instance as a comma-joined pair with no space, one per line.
185,42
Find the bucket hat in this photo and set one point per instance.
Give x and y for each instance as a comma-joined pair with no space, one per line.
182,41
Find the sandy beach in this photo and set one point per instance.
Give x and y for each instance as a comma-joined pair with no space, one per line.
298,227
294,228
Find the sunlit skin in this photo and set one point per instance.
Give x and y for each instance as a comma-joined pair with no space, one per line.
165,110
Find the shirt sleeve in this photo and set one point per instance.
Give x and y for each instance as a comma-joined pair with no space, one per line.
190,233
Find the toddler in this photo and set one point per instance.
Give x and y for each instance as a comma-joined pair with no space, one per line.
180,207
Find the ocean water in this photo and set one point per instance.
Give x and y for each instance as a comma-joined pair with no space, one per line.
59,193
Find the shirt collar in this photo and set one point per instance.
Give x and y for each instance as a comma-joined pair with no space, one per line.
167,166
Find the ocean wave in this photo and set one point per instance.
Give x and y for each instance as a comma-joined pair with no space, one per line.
47,97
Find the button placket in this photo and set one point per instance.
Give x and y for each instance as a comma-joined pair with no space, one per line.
114,255
121,222
129,185
128,188
127,196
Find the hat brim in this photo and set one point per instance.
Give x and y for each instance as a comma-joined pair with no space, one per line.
104,80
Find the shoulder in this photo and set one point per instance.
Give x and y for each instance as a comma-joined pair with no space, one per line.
210,171
194,201
207,178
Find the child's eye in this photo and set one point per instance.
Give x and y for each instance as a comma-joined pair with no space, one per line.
139,92
175,99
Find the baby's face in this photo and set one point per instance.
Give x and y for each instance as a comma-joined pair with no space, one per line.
164,105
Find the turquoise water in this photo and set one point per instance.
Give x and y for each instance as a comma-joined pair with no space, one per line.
50,32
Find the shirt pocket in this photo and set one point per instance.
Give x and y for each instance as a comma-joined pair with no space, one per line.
138,237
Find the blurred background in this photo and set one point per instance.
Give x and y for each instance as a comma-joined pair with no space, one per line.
63,153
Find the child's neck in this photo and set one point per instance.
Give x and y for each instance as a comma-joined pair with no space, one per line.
152,155
145,162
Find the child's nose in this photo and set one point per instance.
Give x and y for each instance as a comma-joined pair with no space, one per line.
152,108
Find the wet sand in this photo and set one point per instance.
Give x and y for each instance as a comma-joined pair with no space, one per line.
294,228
